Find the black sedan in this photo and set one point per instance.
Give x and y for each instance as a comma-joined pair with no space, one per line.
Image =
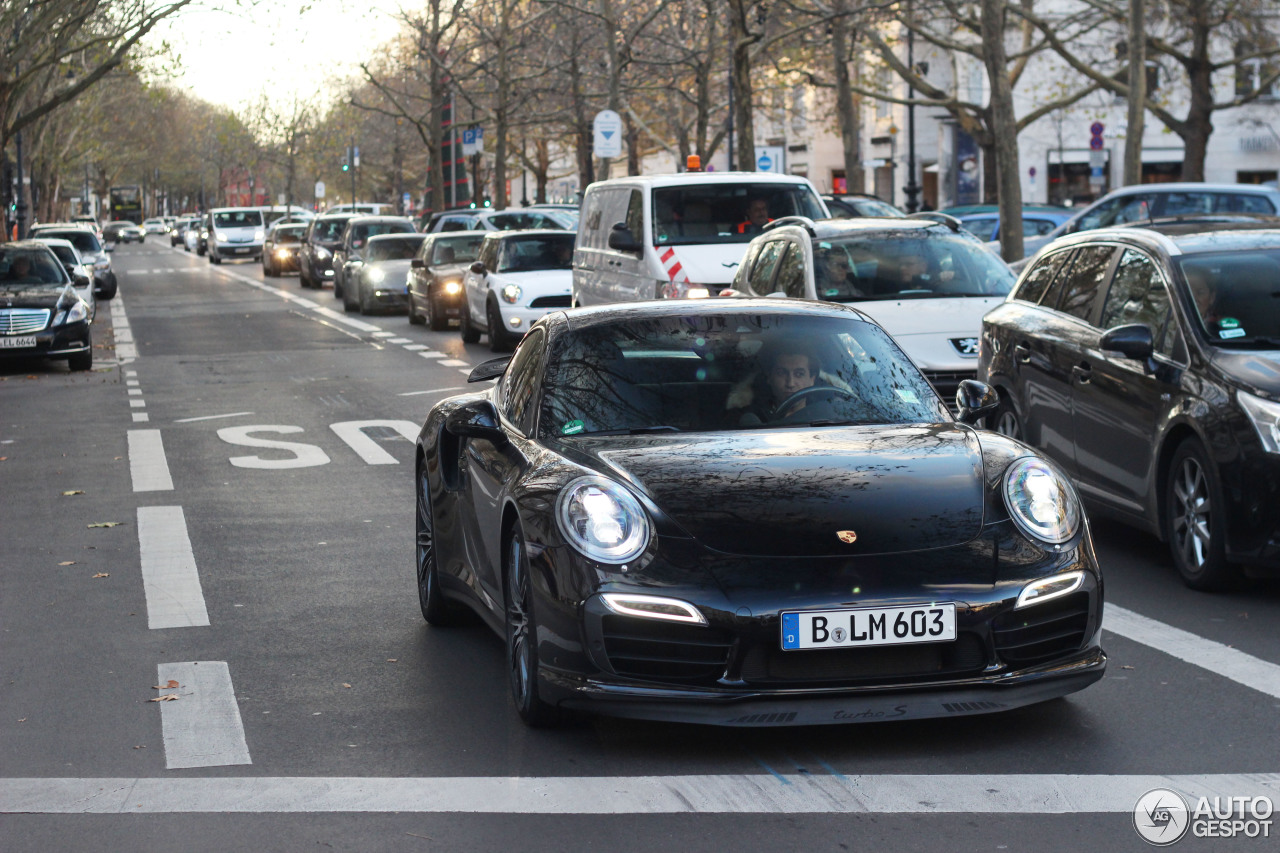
435,277
1146,363
280,249
41,315
749,513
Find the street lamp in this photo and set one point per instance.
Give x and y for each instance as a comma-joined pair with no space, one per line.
912,189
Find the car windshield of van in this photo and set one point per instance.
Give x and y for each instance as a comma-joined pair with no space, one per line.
455,250
546,252
1236,296
730,371
395,248
238,219
909,266
726,213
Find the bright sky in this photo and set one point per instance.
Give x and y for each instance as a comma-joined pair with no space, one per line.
231,54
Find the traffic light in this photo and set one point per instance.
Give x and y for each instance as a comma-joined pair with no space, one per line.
346,160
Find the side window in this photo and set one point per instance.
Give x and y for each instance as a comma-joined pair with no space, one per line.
1033,287
489,255
521,381
1137,295
1241,203
791,273
1180,203
744,268
1102,215
1080,288
635,215
761,277
589,232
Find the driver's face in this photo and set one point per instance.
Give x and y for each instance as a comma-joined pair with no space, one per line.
789,374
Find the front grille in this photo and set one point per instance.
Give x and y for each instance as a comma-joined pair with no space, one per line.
651,650
765,664
1042,632
552,302
17,321
946,384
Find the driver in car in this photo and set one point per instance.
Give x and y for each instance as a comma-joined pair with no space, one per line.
769,395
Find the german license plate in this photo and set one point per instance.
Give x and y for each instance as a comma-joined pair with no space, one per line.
16,343
882,626
241,251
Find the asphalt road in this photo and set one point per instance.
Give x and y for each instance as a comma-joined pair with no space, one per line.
246,440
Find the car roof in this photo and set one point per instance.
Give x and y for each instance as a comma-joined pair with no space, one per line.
598,315
1174,240
824,229
53,241
384,237
1191,186
681,178
522,232
365,218
27,244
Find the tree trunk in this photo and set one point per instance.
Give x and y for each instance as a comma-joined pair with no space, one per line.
1137,46
847,105
1198,126
1004,128
990,181
633,146
743,115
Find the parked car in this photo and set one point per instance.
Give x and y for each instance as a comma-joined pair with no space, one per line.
854,205
645,550
349,253
677,235
435,277
86,221
923,281
92,251
281,246
1150,201
81,273
516,278
195,237
381,282
1146,362
315,258
364,208
510,219
42,315
123,231
1036,222
236,233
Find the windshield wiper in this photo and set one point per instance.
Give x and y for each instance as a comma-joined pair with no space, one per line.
1246,343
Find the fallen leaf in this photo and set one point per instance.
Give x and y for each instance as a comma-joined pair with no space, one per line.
105,524
172,684
139,747
4,458
23,720
32,376
73,492
170,697
67,563
1126,667
102,575
344,684
391,660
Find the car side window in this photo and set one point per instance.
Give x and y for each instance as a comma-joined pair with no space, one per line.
1033,287
635,214
762,273
1137,295
791,273
1188,202
1080,288
521,381
744,268
1241,203
489,255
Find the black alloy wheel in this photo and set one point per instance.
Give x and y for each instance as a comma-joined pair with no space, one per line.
522,634
1005,421
1195,514
435,608
470,334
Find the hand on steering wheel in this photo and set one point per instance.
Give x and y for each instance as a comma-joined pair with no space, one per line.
813,390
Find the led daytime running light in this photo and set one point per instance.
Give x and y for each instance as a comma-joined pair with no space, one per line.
653,607
1047,589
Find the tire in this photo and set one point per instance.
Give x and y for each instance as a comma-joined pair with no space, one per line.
337,287
415,319
81,360
436,609
521,635
499,340
470,334
436,318
1195,520
1005,421
214,259
363,302
109,289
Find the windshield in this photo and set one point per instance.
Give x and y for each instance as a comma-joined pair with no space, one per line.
1236,296
330,230
455,250
726,213
28,268
84,241
526,254
292,234
238,219
982,227
66,254
731,371
395,248
921,265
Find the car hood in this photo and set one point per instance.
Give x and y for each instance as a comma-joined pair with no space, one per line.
450,270
544,282
391,268
788,493
714,263
1257,370
936,334
30,296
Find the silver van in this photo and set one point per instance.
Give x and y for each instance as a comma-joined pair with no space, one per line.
235,232
679,235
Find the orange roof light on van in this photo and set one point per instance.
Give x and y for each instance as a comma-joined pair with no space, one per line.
693,163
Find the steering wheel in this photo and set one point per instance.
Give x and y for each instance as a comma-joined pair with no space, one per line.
811,391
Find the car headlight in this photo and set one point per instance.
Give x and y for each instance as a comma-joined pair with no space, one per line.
1265,417
375,275
453,288
259,234
282,253
1040,502
71,308
602,520
101,262
510,293
220,235
322,254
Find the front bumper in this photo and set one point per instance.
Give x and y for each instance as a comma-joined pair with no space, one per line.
60,342
237,250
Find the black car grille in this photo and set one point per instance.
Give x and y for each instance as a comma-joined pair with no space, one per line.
665,651
1042,632
551,301
946,383
769,665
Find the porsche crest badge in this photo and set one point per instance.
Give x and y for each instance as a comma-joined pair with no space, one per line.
847,536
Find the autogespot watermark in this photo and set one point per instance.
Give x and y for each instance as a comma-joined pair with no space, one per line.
1163,817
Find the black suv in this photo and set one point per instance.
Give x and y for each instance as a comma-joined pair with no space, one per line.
315,258
1146,362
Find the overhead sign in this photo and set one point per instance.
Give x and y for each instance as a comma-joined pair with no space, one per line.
607,135
473,140
319,189
769,158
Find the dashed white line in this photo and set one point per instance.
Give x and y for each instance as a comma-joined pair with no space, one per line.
203,727
135,392
147,463
211,417
170,578
141,417
138,404
453,362
383,334
430,354
432,391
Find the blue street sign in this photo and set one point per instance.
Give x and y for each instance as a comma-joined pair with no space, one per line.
1096,128
764,164
1096,143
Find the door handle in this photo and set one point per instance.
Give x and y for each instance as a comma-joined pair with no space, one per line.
1083,373
1022,353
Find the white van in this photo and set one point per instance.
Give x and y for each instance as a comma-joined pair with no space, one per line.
235,232
677,235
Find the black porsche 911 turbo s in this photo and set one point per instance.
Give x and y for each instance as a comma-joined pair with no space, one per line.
749,513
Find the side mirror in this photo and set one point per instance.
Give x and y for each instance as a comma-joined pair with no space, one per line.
110,247
478,419
477,267
82,280
1131,342
622,240
417,264
491,369
975,400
